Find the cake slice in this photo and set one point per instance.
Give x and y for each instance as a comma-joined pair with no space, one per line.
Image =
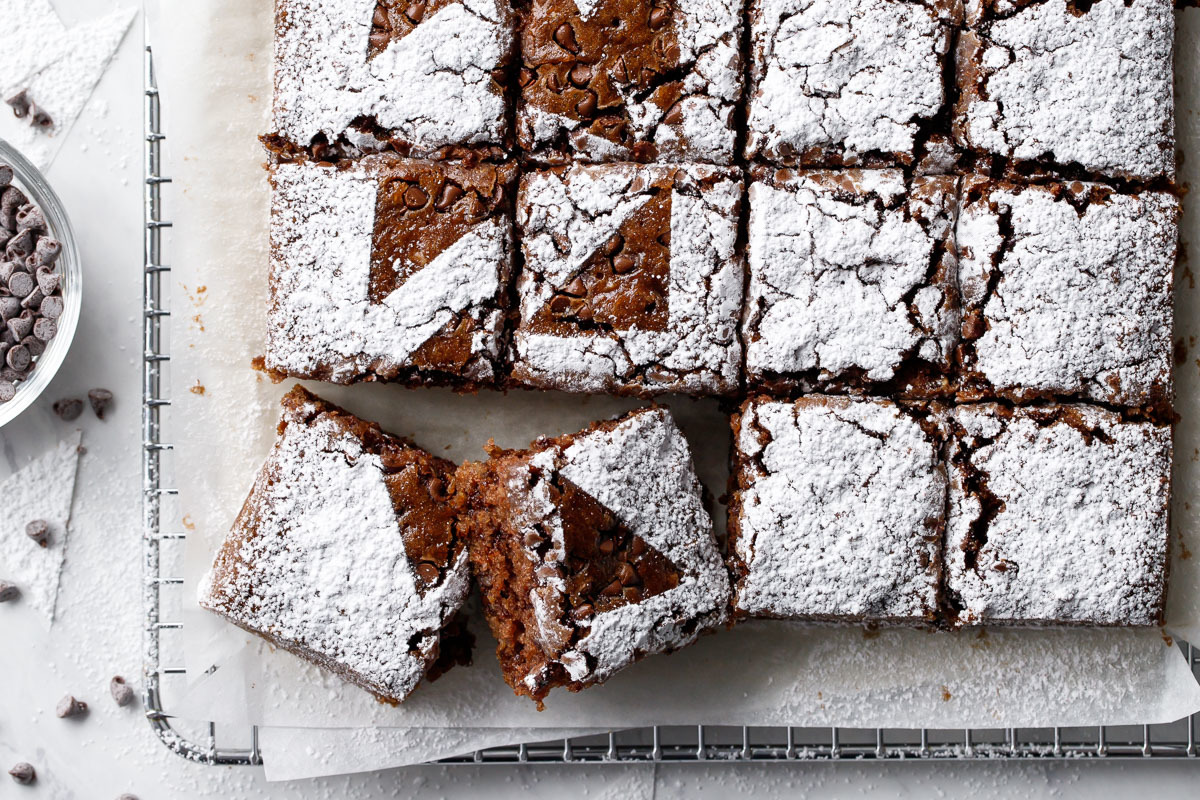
345,553
591,551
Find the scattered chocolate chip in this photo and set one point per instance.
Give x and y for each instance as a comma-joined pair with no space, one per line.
41,119
674,114
68,409
428,573
29,217
100,399
623,264
20,246
20,284
580,75
415,197
659,17
586,107
415,12
70,707
576,288
48,250
52,307
20,104
23,773
449,195
614,243
564,35
39,531
7,391
583,612
8,592
121,691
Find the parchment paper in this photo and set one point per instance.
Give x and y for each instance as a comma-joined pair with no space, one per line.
215,72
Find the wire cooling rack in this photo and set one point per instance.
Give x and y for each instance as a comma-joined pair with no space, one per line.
165,535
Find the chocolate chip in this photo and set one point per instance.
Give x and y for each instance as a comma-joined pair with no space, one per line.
583,612
39,531
20,246
632,594
20,104
34,345
564,35
428,573
525,77
48,250
10,307
68,409
51,308
29,217
6,175
40,118
18,357
415,197
576,288
380,18
449,195
674,114
120,690
70,707
8,592
34,299
623,264
614,243
586,107
659,17
415,12
606,546
639,547
7,391
45,329
584,312
580,75
20,284
100,399
23,773
560,304
626,575
612,590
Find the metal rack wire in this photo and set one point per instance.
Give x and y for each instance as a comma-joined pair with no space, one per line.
164,536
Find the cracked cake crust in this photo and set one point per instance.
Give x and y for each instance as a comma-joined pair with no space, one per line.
345,553
1067,292
361,76
629,80
389,269
592,550
847,82
1063,84
1058,515
852,282
632,281
838,511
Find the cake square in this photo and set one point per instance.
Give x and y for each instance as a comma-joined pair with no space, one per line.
592,550
1066,85
848,82
1057,515
838,511
345,553
629,80
424,78
1067,291
389,269
852,282
632,281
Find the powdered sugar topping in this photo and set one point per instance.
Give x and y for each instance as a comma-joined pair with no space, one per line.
840,511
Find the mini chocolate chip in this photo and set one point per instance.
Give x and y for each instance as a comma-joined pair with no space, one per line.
48,250
20,284
45,329
8,592
584,312
586,107
6,175
380,18
100,399
638,547
560,304
7,391
10,307
674,114
612,590
120,691
626,575
52,307
632,594
428,572
415,12
34,345
23,773
973,324
564,35
18,357
583,612
33,299
29,217
20,104
606,546
614,243
39,531
70,707
68,409
20,246
623,264
659,17
525,77
533,539
580,75
415,198
9,374
449,195
576,288
40,118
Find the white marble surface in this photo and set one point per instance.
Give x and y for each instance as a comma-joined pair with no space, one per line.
97,635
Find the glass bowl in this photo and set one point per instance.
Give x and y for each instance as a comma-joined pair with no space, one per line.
29,180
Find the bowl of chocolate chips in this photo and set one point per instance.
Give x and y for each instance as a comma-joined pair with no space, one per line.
41,283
